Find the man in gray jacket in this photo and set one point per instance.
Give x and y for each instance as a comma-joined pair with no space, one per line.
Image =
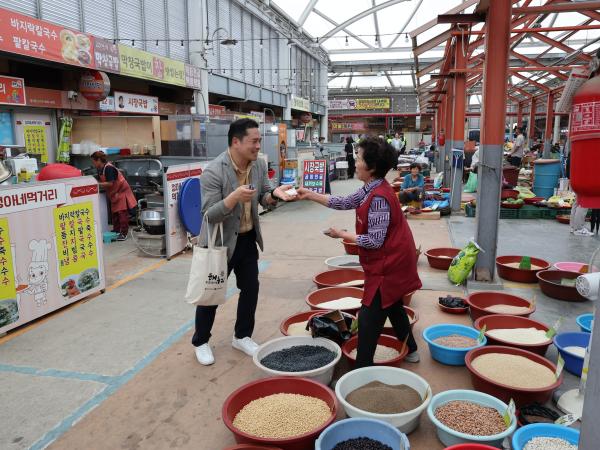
232,186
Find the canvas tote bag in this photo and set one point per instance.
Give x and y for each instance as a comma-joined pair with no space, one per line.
207,285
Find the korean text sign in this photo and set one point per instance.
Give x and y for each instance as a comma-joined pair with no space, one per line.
314,175
12,91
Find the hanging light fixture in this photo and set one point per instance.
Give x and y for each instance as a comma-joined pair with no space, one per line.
347,43
261,44
406,38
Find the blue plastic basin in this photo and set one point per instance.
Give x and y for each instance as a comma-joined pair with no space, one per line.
573,363
449,355
524,434
585,322
355,428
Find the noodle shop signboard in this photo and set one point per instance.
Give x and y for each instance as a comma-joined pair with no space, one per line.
313,178
49,248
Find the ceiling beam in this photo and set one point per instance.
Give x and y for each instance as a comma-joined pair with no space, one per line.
461,18
432,43
434,22
335,24
306,12
560,45
389,79
410,17
532,82
376,23
559,7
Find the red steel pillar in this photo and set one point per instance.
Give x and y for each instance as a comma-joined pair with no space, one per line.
549,124
495,81
458,120
519,114
531,124
448,128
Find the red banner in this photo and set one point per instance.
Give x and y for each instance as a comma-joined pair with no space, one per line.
39,39
82,191
12,91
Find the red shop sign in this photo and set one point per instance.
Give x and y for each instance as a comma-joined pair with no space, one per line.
39,39
12,91
94,85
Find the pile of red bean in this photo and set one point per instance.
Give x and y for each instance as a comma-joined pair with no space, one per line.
470,418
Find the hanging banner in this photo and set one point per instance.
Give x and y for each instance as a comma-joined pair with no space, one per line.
49,253
341,103
141,64
372,103
106,55
135,103
314,175
193,76
12,91
299,103
35,141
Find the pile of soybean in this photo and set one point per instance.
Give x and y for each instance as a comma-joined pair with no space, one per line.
361,443
298,358
380,398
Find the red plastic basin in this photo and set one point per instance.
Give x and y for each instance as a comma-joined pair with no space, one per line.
478,301
298,317
276,385
315,298
496,321
384,339
441,258
533,200
57,171
331,278
516,274
521,396
413,317
512,205
550,285
252,447
470,447
509,193
350,247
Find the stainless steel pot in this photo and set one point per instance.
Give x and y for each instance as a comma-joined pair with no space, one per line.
153,216
153,173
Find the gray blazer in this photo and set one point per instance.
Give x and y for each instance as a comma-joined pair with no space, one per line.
219,180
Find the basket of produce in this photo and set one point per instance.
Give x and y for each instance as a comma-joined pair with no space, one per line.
350,247
299,356
509,193
284,412
453,305
449,343
560,284
441,258
362,433
515,331
522,269
390,394
346,299
585,322
535,413
389,352
512,203
545,436
572,346
509,372
492,302
413,317
465,417
339,278
533,200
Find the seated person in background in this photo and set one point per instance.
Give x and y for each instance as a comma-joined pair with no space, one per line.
413,185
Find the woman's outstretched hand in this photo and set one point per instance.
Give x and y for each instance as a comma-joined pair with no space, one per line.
304,194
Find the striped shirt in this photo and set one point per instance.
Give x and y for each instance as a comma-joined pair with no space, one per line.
379,214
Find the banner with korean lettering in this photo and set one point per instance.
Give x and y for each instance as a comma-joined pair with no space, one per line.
372,103
12,91
313,178
76,248
9,308
135,103
40,39
49,238
35,141
141,64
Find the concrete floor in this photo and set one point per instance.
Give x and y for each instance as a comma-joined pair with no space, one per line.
118,371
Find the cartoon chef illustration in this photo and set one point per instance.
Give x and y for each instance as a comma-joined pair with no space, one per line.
38,271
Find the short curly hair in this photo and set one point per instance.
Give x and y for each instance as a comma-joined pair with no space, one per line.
379,156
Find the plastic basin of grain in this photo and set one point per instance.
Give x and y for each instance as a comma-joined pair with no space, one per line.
525,434
524,389
470,447
322,375
508,268
384,340
507,322
297,318
413,318
333,278
252,447
407,421
266,387
361,427
325,295
585,322
449,436
449,355
573,362
479,302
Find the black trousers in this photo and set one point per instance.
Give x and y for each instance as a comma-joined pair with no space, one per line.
595,220
370,324
244,263
515,161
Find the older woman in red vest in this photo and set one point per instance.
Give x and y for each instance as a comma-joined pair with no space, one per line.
386,248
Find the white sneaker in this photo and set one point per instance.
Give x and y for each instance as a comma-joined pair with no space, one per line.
246,345
204,355
571,230
412,357
583,232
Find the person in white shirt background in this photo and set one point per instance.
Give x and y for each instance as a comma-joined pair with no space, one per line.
516,154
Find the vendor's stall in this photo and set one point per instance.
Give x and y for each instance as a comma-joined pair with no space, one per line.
49,248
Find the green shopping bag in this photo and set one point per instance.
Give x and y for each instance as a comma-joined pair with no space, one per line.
471,185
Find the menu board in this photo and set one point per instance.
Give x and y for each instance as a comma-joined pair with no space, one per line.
49,248
12,91
35,141
315,171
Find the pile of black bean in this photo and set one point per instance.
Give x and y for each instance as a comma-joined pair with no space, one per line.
298,358
361,443
452,302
